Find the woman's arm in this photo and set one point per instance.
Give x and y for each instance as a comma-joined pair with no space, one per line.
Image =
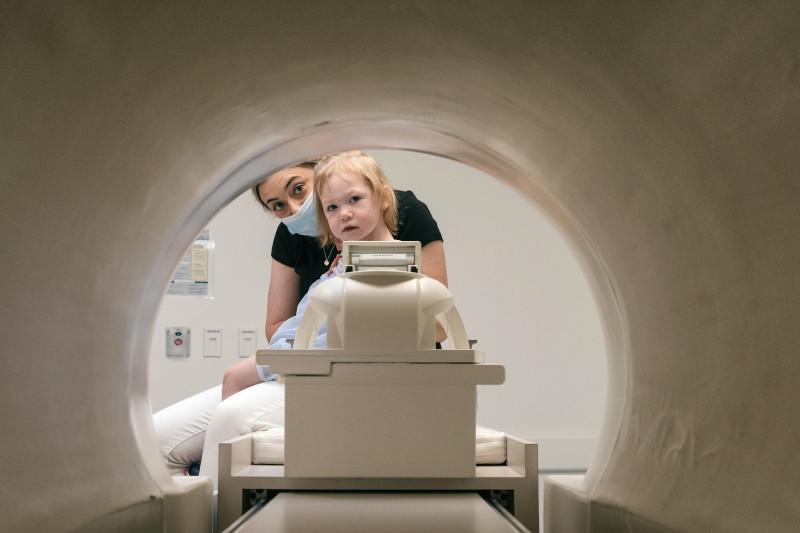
433,262
434,266
282,298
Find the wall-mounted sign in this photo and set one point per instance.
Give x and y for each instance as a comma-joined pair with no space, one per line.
193,276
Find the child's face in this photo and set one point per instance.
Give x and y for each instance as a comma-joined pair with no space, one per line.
353,211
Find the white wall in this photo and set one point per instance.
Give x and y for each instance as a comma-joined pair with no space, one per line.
545,330
242,235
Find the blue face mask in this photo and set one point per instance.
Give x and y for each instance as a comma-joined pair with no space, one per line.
304,222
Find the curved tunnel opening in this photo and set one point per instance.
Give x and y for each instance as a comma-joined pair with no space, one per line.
371,137
687,115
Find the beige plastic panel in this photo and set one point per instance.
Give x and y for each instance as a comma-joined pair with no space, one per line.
410,373
385,420
371,255
661,137
379,426
318,362
349,302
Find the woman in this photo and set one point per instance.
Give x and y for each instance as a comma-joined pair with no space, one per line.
298,260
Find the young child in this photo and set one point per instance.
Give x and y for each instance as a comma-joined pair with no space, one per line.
354,202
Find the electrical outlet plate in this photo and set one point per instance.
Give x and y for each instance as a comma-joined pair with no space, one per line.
248,340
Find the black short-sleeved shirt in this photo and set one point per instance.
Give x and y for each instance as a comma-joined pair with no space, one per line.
306,256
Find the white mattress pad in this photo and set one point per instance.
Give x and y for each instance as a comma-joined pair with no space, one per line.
490,446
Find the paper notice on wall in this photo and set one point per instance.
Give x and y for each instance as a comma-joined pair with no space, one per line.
199,263
193,275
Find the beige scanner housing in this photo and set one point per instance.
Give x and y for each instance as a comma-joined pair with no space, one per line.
381,400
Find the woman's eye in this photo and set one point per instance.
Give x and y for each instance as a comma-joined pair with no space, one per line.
277,206
298,189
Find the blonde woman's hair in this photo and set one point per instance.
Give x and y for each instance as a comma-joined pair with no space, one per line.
359,163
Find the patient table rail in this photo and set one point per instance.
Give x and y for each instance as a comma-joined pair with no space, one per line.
519,476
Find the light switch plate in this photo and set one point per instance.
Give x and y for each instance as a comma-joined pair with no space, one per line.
212,343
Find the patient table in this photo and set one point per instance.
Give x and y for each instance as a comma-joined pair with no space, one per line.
380,425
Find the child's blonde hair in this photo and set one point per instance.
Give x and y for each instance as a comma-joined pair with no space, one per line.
365,166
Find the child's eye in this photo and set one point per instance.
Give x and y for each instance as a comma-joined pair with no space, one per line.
354,199
330,207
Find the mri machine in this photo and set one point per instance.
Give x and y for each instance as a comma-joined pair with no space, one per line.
661,138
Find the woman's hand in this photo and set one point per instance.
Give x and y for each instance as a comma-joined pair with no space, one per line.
336,261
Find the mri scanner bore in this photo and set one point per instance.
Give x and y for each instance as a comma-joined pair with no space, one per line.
260,407
660,137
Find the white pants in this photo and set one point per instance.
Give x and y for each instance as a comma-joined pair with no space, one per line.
192,428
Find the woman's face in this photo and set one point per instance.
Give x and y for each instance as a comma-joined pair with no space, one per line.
284,192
